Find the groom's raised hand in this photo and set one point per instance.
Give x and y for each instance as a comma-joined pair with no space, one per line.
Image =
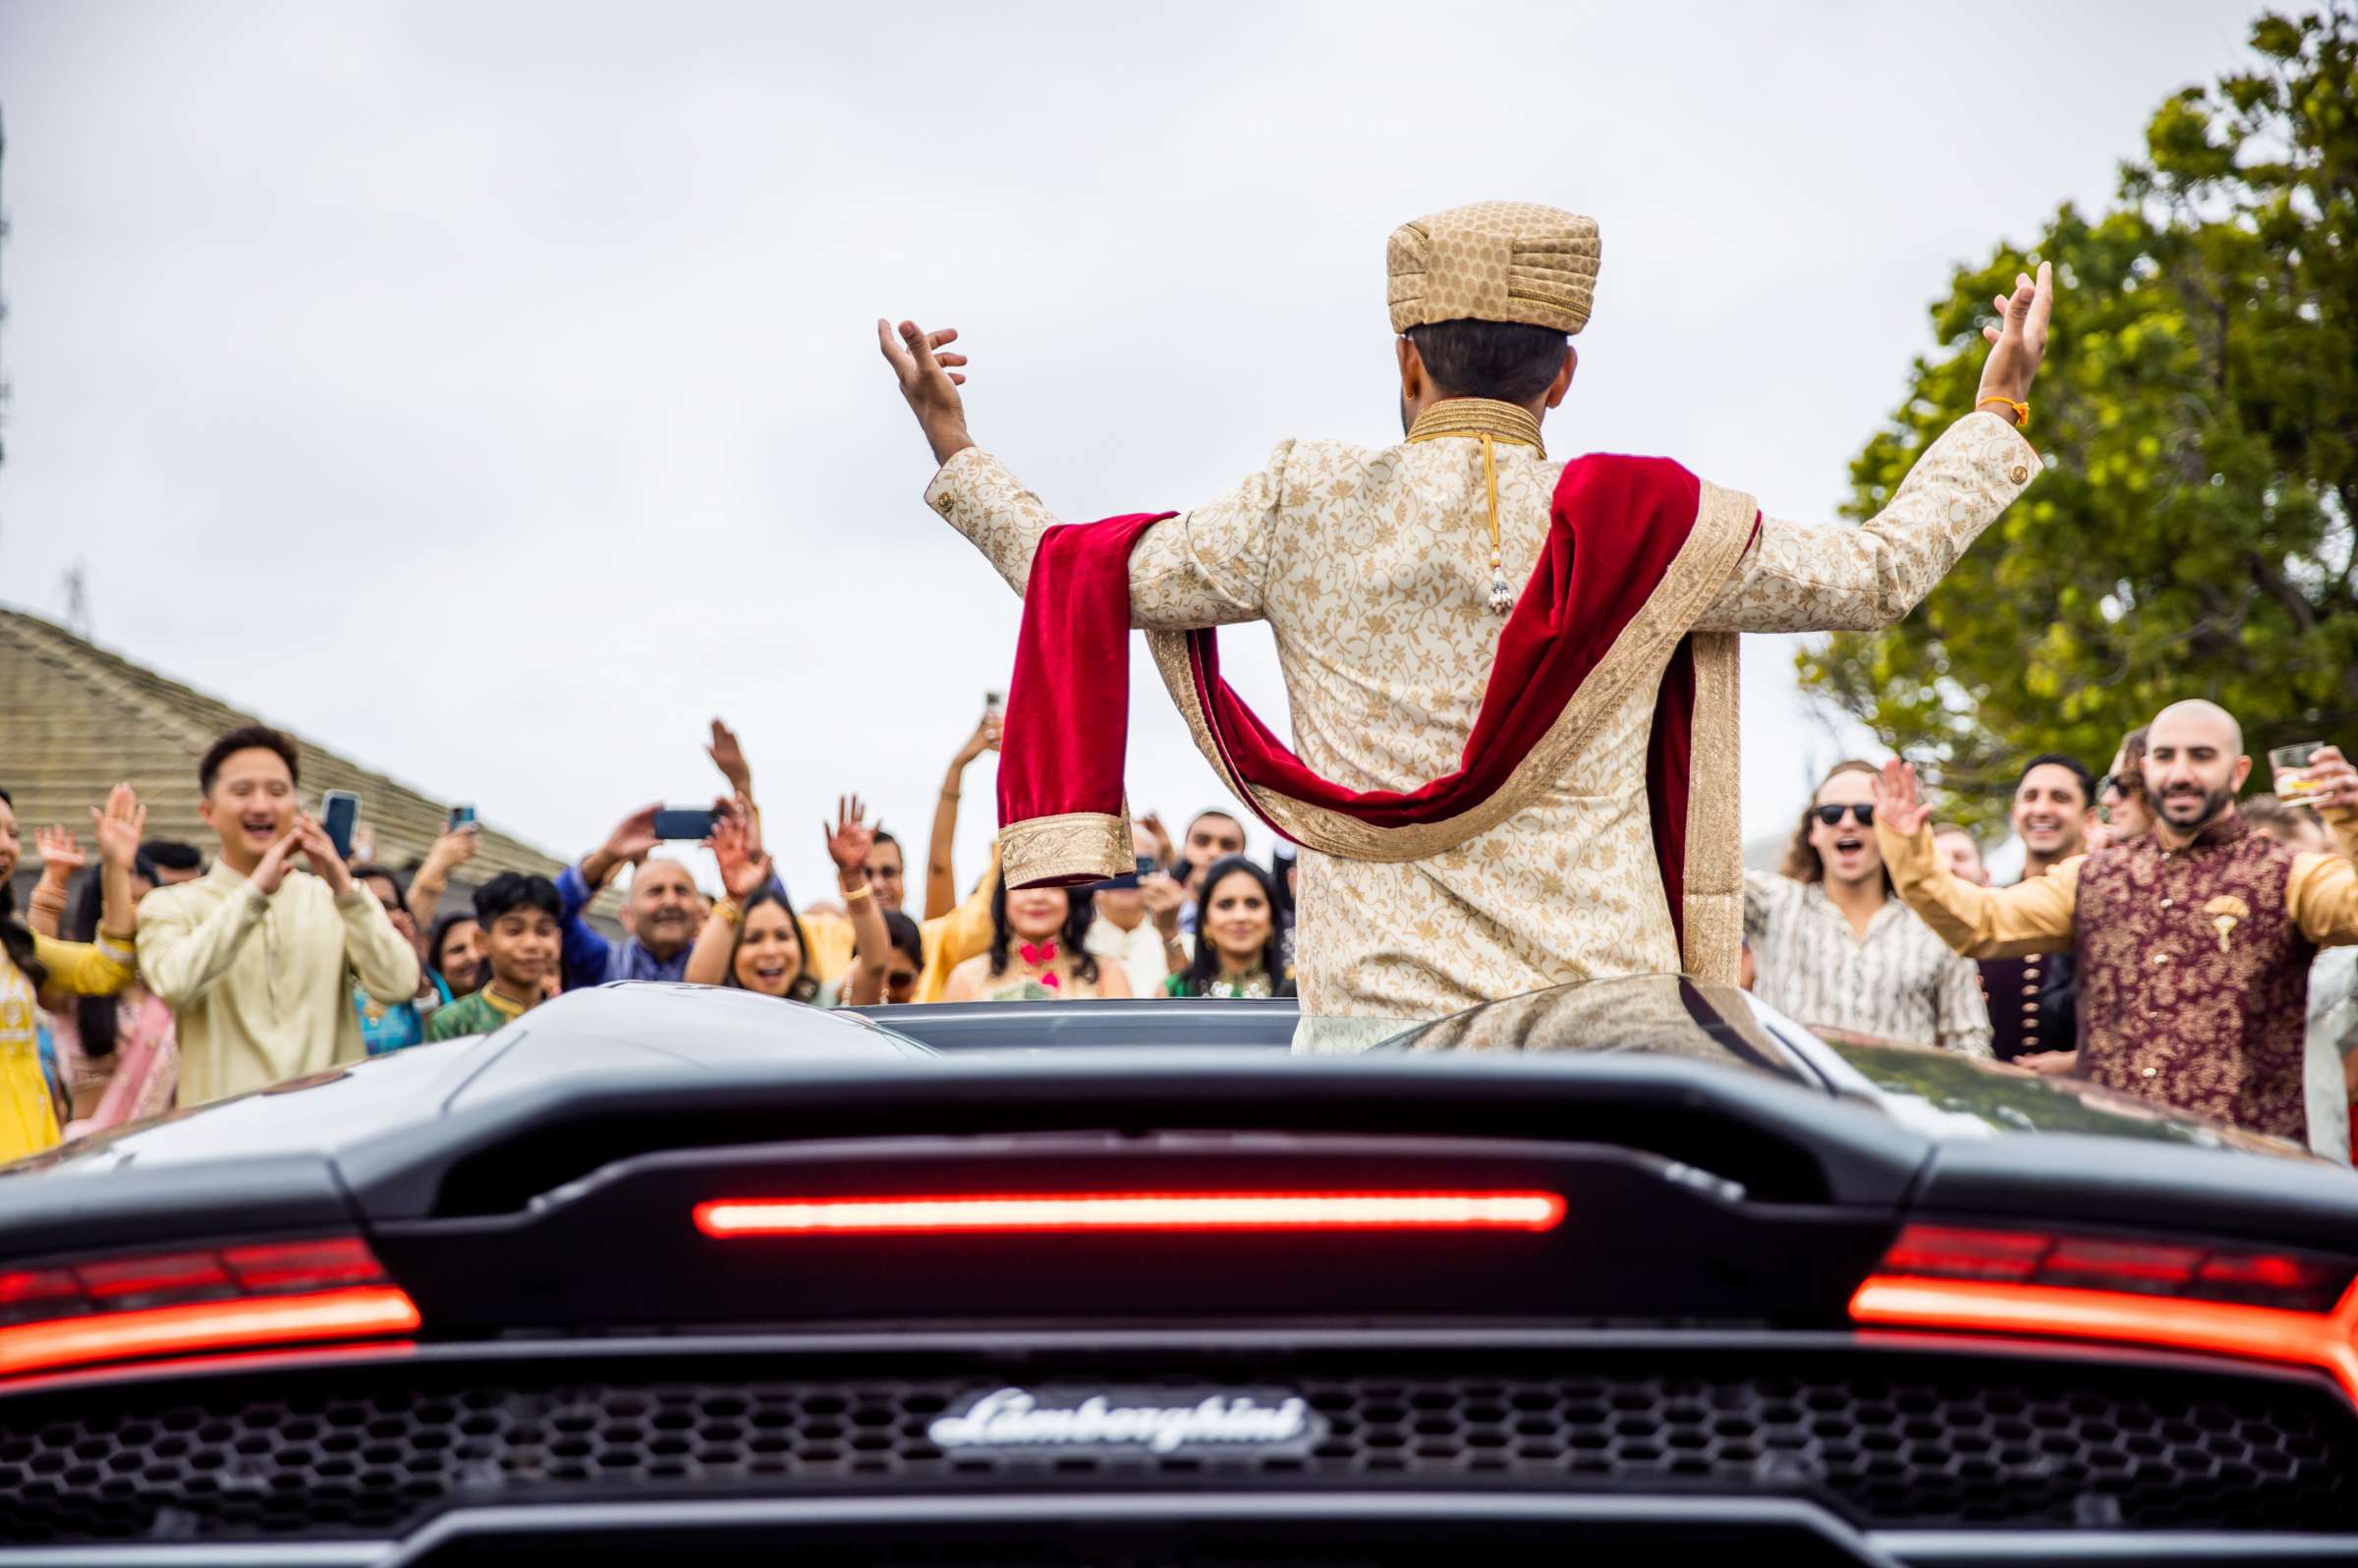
2018,342
929,381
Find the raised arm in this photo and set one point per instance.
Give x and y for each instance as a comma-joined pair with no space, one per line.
1798,578
451,851
61,857
1204,568
848,842
744,872
941,879
2323,891
2032,917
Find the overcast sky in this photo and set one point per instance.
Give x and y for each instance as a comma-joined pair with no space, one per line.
489,391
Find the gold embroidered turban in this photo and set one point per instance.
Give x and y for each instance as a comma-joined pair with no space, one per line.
1494,261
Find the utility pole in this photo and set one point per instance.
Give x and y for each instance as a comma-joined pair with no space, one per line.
3,299
76,583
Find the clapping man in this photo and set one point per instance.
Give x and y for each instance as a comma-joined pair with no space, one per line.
253,958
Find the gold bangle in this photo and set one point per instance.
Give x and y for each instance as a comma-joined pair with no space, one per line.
856,894
2022,411
727,909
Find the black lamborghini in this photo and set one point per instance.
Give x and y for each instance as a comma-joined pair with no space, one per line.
1636,1271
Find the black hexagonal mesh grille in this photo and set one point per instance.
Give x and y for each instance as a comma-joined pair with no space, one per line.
342,1452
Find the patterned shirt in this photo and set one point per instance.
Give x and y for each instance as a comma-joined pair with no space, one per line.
1899,982
1372,568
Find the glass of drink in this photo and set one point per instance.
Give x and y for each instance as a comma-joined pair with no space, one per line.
2290,766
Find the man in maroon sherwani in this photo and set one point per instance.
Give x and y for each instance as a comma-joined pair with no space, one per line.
2192,944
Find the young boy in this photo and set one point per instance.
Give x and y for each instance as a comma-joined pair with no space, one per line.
522,938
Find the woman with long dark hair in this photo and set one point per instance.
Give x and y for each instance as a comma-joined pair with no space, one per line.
755,941
33,967
1239,949
1037,951
119,1053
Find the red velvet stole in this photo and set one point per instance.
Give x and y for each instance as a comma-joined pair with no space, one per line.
1615,526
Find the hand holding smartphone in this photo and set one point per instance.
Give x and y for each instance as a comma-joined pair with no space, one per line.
684,823
339,815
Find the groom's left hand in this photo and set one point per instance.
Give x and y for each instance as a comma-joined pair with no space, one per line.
929,380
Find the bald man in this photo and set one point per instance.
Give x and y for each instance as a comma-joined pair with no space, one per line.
661,914
2192,944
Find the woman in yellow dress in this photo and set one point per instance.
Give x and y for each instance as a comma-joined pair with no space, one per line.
33,966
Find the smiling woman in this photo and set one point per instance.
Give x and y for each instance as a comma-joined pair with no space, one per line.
1238,951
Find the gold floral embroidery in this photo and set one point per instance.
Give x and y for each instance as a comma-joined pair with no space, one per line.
1094,845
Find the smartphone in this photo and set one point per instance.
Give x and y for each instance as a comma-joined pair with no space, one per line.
340,814
995,704
684,822
461,816
1146,868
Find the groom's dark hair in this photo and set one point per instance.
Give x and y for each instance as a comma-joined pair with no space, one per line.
1502,359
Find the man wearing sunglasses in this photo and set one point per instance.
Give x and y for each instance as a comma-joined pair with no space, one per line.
1831,946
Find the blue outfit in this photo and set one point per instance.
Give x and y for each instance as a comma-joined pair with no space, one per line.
386,1029
592,960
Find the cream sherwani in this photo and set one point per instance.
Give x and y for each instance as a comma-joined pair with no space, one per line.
1372,568
260,986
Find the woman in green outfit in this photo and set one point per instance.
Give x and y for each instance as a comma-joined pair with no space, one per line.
1237,951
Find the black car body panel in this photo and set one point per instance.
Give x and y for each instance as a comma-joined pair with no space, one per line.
1670,1368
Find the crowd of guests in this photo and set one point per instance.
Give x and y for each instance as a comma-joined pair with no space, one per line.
165,975
2169,938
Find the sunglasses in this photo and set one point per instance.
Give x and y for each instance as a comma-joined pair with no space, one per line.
1831,816
2127,785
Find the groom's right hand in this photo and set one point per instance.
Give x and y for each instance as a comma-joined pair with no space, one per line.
2019,340
930,382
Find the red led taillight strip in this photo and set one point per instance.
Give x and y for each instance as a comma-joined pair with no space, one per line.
1144,1212
78,1311
2004,1282
365,1310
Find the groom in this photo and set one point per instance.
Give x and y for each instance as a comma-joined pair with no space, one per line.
1514,678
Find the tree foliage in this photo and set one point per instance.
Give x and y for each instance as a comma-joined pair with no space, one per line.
2198,411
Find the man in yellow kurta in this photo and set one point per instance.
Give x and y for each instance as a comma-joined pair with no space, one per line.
1386,572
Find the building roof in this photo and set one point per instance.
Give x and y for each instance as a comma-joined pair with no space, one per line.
76,719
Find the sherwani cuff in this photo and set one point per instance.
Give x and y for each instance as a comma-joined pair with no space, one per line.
1999,450
949,491
976,495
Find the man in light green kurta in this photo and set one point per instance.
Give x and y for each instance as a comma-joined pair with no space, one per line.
257,958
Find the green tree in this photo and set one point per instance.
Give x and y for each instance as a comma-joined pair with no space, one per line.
2192,534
